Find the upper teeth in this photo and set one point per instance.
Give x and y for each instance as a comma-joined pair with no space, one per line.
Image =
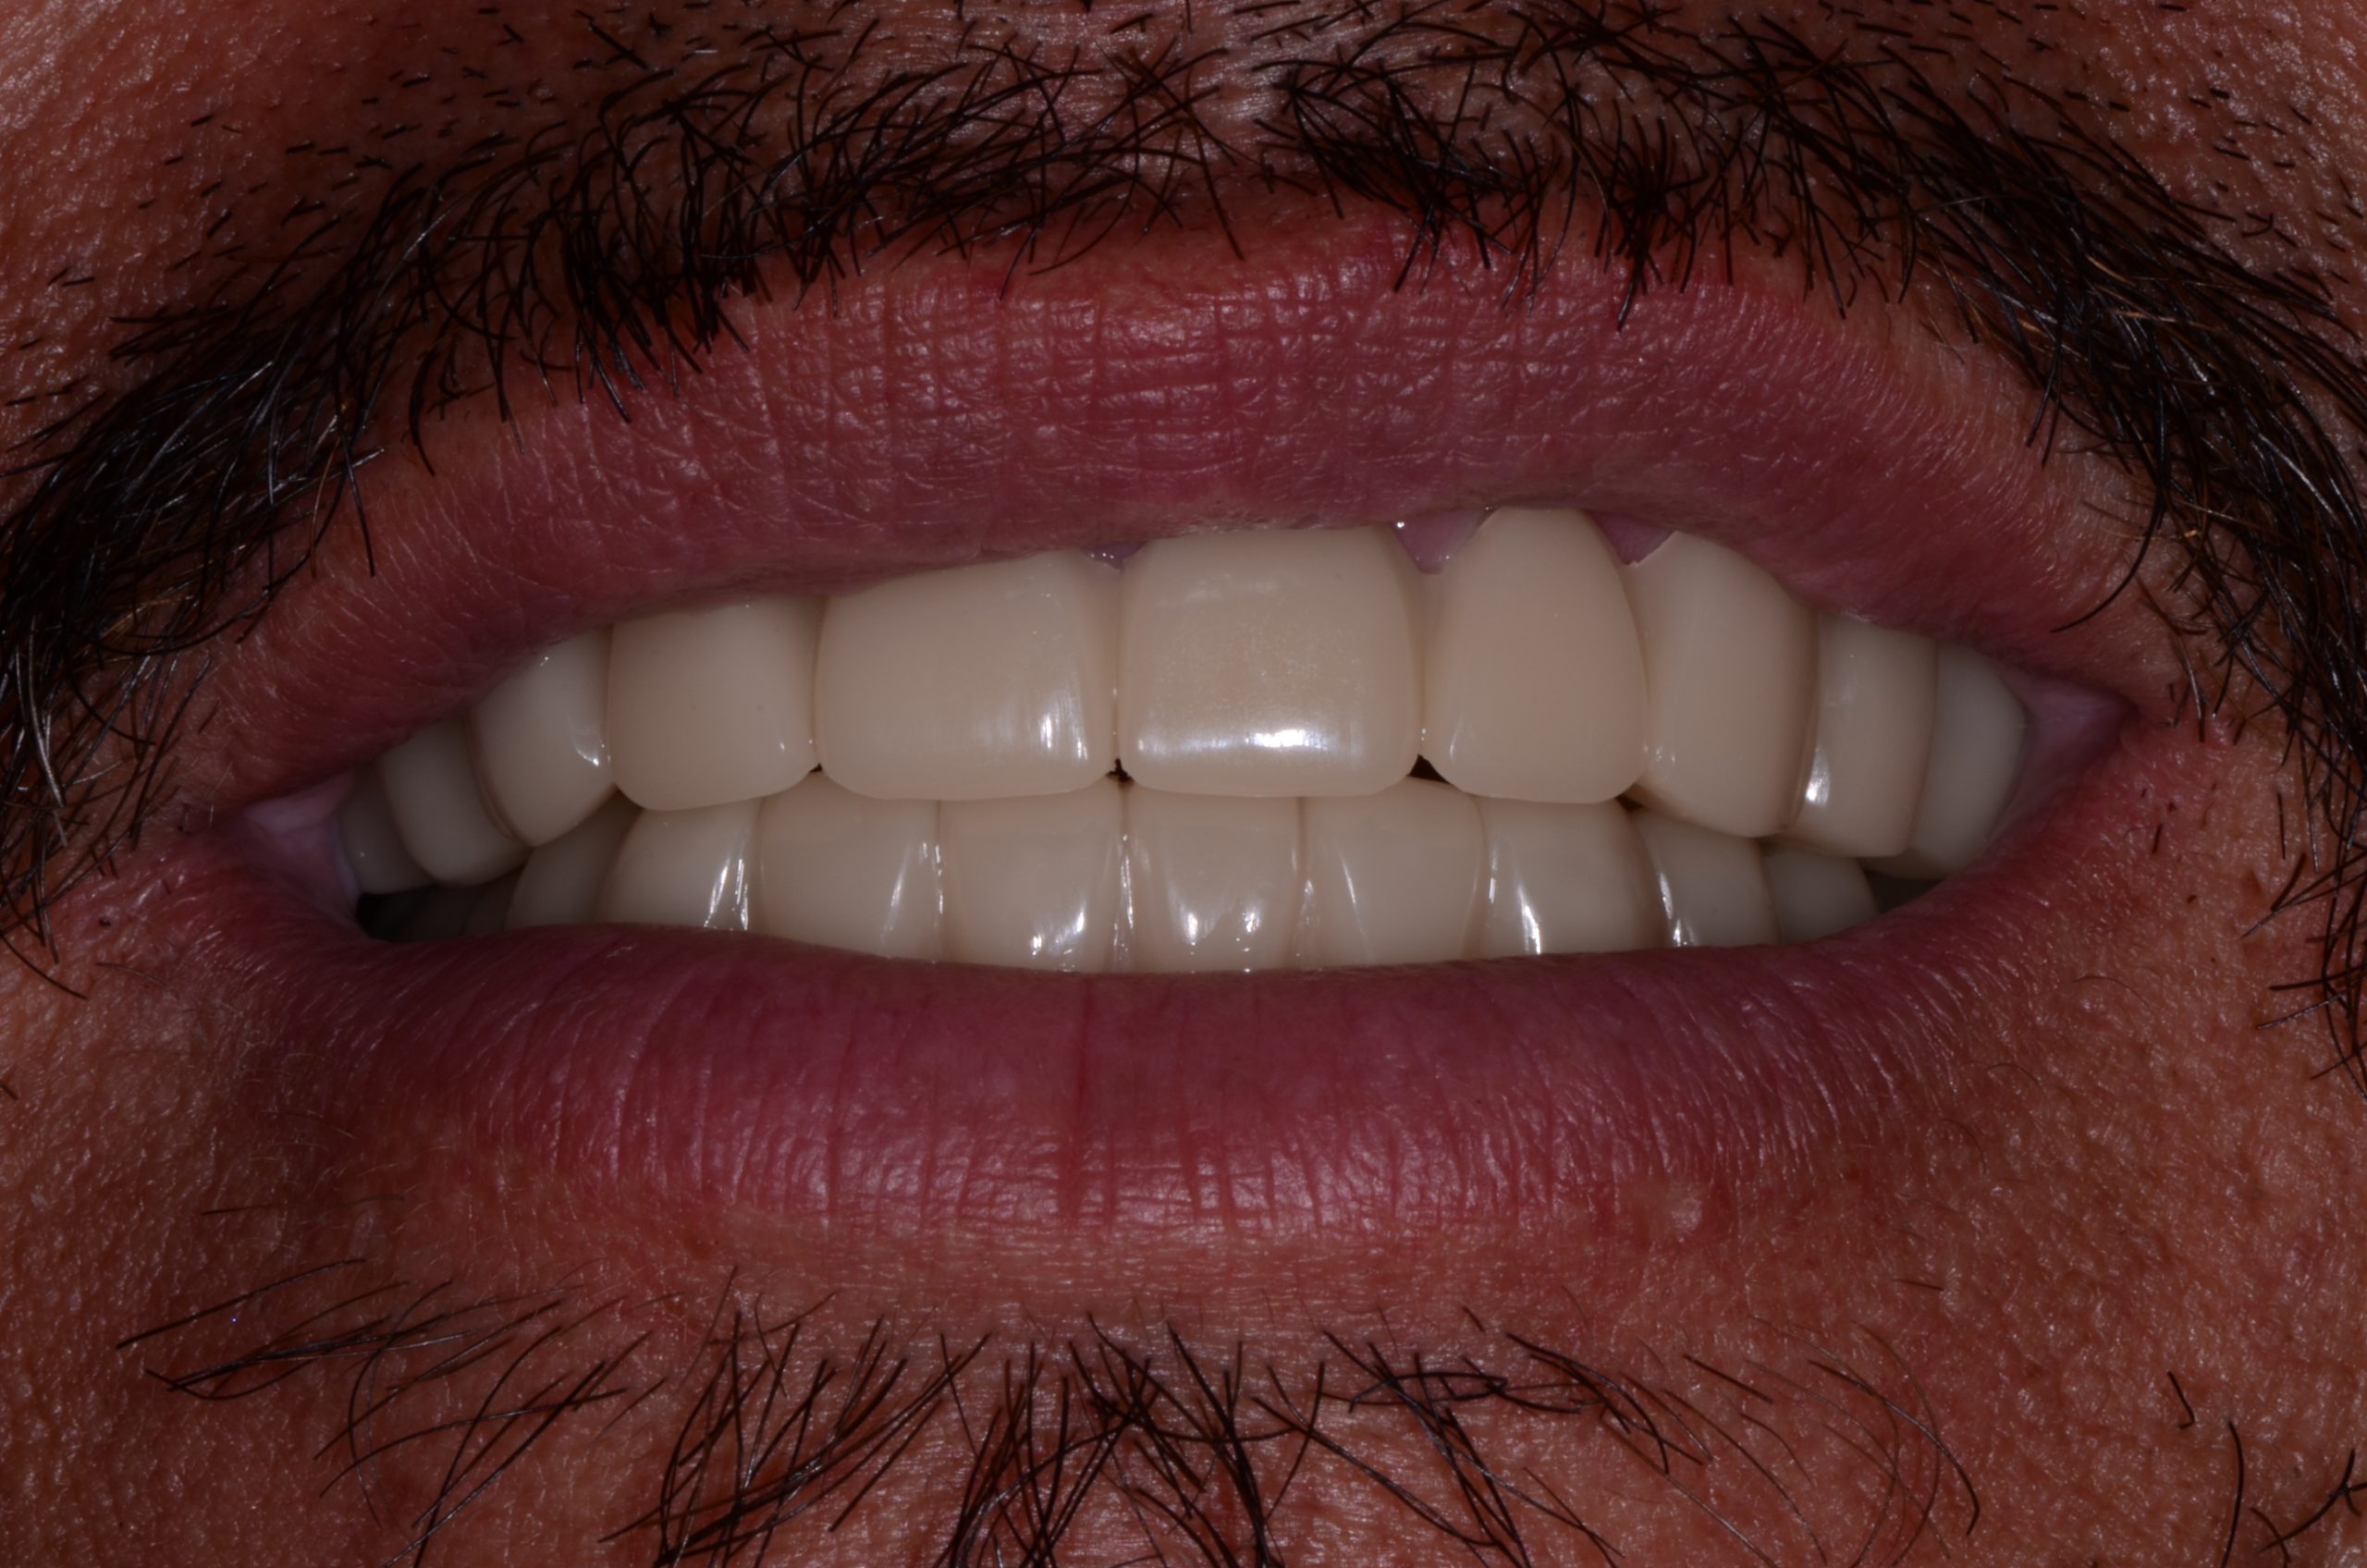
1268,694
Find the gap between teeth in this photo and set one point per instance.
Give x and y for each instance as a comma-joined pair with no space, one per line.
1330,758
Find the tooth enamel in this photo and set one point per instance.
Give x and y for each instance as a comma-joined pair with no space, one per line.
1815,896
841,870
1214,881
1732,663
970,684
540,738
432,794
713,705
683,868
1565,879
373,848
1535,684
1714,886
1032,882
1976,757
1875,693
1281,662
561,882
1393,878
491,912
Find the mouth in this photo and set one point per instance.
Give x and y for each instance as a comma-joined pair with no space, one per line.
985,760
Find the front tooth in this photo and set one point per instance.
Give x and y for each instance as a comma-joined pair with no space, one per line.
541,739
1281,662
1032,882
1534,688
713,705
432,792
1873,738
841,870
683,868
1730,664
561,883
1393,877
1976,757
1817,895
1714,886
973,683
1215,882
374,846
1565,879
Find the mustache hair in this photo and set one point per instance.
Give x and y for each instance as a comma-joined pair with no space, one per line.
594,234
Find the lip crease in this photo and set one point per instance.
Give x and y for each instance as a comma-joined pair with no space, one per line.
931,419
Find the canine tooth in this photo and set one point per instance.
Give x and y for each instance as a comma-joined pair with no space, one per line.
1393,877
1214,881
1976,757
1032,882
432,792
1875,691
1713,886
713,705
1535,684
365,826
1816,895
1730,662
1565,879
683,868
1279,662
561,882
841,870
971,684
541,739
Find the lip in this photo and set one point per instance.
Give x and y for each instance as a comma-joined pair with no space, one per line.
932,418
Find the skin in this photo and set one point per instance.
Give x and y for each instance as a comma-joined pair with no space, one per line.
2128,1257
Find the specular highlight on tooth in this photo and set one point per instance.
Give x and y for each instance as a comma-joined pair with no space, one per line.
683,868
1815,895
841,870
1976,757
541,739
373,846
561,881
1214,882
1033,883
1393,878
1876,692
1565,879
713,705
444,824
1714,886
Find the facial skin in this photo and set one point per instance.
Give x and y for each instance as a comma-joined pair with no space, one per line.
2066,1274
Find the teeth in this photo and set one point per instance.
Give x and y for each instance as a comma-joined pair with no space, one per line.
1032,882
1535,686
1215,882
971,684
716,704
1873,738
432,794
683,868
1733,663
1393,878
373,846
1817,895
561,883
840,870
541,741
1272,663
491,912
1976,757
1713,886
1565,879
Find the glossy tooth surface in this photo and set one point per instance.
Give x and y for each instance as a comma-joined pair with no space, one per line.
1875,691
1283,662
373,846
1393,878
1214,881
1731,661
841,870
1817,895
1714,886
445,824
1976,757
561,883
972,684
541,739
1534,688
1033,883
683,868
713,705
1565,879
